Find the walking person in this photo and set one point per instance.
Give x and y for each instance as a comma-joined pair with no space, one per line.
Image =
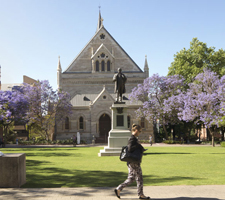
74,140
134,169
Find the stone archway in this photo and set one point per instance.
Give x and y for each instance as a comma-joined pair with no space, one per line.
104,128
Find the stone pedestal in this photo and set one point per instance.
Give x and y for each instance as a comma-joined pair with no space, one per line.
119,134
12,170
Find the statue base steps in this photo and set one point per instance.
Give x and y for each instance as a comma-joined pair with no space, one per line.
116,140
109,152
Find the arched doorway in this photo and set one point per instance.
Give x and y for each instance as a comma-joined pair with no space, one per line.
104,128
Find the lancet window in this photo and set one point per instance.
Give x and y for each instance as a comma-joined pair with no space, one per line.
108,66
81,123
103,65
67,123
97,66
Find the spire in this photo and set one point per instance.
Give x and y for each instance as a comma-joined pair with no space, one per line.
146,62
100,20
59,65
59,74
146,69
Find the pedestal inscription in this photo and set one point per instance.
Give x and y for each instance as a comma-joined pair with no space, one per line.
119,120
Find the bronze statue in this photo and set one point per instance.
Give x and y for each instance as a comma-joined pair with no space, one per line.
120,80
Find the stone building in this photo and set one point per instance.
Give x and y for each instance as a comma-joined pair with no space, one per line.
88,80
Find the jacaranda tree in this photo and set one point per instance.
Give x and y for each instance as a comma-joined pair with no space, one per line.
13,107
46,107
204,101
153,93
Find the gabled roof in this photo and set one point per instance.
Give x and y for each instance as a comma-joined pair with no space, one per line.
102,46
101,29
124,51
103,92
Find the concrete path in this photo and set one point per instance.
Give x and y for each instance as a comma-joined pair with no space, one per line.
208,192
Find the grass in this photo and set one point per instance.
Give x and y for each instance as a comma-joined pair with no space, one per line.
80,166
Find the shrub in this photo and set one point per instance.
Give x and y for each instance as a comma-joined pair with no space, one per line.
26,142
82,142
222,144
168,142
173,142
144,141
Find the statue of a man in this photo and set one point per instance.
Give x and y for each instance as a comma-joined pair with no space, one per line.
120,80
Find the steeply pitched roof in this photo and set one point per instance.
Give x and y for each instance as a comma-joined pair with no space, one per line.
82,51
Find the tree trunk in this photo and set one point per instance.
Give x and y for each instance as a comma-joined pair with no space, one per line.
212,133
46,135
213,142
164,128
5,133
222,131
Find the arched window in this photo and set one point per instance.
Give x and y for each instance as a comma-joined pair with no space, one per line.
108,65
128,121
81,123
142,122
103,65
67,123
97,66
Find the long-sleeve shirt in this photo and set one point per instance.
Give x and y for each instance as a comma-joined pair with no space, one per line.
133,144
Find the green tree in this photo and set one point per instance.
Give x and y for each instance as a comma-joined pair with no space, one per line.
190,62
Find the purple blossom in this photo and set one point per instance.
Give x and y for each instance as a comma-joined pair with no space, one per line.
46,106
204,100
158,94
13,107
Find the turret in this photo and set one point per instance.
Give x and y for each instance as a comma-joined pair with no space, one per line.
146,69
59,74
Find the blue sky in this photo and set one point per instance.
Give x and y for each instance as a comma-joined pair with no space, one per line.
33,33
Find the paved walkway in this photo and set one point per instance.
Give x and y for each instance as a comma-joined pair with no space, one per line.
208,192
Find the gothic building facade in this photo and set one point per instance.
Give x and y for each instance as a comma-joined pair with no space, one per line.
88,80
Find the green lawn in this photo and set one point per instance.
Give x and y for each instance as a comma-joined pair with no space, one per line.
80,166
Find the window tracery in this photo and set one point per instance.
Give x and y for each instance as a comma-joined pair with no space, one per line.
103,61
102,36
